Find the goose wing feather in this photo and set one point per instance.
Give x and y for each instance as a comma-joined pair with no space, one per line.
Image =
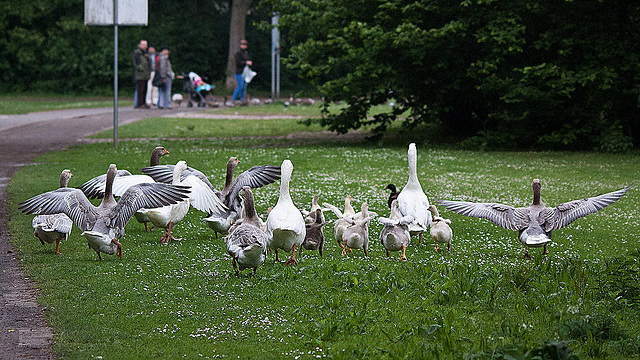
94,188
202,197
334,209
256,177
146,195
69,201
164,174
502,215
566,213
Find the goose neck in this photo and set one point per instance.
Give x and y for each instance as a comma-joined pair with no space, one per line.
108,187
229,177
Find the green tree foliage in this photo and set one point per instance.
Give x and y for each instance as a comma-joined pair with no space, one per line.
45,45
501,74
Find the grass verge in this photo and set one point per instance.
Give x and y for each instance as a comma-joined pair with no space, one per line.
25,105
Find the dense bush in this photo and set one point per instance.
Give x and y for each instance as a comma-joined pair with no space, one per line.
504,74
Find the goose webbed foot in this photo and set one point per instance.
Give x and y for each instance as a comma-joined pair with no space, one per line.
57,247
119,250
292,260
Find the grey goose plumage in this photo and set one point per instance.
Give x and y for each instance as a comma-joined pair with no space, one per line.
103,225
536,222
54,227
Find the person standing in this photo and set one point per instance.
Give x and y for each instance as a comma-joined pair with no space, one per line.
242,59
141,74
166,72
152,91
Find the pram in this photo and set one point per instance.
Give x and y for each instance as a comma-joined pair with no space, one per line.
197,90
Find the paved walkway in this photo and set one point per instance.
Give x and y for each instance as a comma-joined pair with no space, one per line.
24,333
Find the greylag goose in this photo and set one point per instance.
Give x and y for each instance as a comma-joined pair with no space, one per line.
220,221
200,197
440,229
393,194
535,222
356,236
314,238
412,200
103,225
395,234
247,244
344,219
54,227
94,188
285,225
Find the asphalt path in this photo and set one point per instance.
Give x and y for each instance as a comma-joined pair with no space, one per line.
24,333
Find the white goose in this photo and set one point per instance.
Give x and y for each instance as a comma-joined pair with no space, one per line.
200,197
285,225
356,236
54,227
440,229
221,220
103,225
247,243
412,199
535,222
395,235
344,219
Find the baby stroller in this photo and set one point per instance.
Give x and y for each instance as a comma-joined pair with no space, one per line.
197,89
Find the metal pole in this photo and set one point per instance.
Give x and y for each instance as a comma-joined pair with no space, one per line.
275,57
278,74
115,74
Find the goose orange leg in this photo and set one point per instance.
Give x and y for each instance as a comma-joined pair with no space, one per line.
292,260
404,255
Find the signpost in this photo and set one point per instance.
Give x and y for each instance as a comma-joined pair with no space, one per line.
275,57
116,12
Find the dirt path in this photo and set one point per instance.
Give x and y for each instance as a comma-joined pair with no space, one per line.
24,333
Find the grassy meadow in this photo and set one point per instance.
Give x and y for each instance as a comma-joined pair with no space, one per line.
11,105
481,300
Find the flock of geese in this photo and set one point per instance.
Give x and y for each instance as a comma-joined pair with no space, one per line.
163,195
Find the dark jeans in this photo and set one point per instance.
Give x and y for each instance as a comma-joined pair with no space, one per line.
141,87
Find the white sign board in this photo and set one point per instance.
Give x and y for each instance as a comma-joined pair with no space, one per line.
130,12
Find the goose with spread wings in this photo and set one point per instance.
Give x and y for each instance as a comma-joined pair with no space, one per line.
536,221
103,225
94,188
54,227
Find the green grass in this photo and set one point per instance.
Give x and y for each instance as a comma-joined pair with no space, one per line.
480,301
278,107
21,105
205,128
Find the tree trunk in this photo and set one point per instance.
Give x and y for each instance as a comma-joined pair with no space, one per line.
239,9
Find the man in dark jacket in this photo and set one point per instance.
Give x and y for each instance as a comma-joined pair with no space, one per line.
242,59
141,74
